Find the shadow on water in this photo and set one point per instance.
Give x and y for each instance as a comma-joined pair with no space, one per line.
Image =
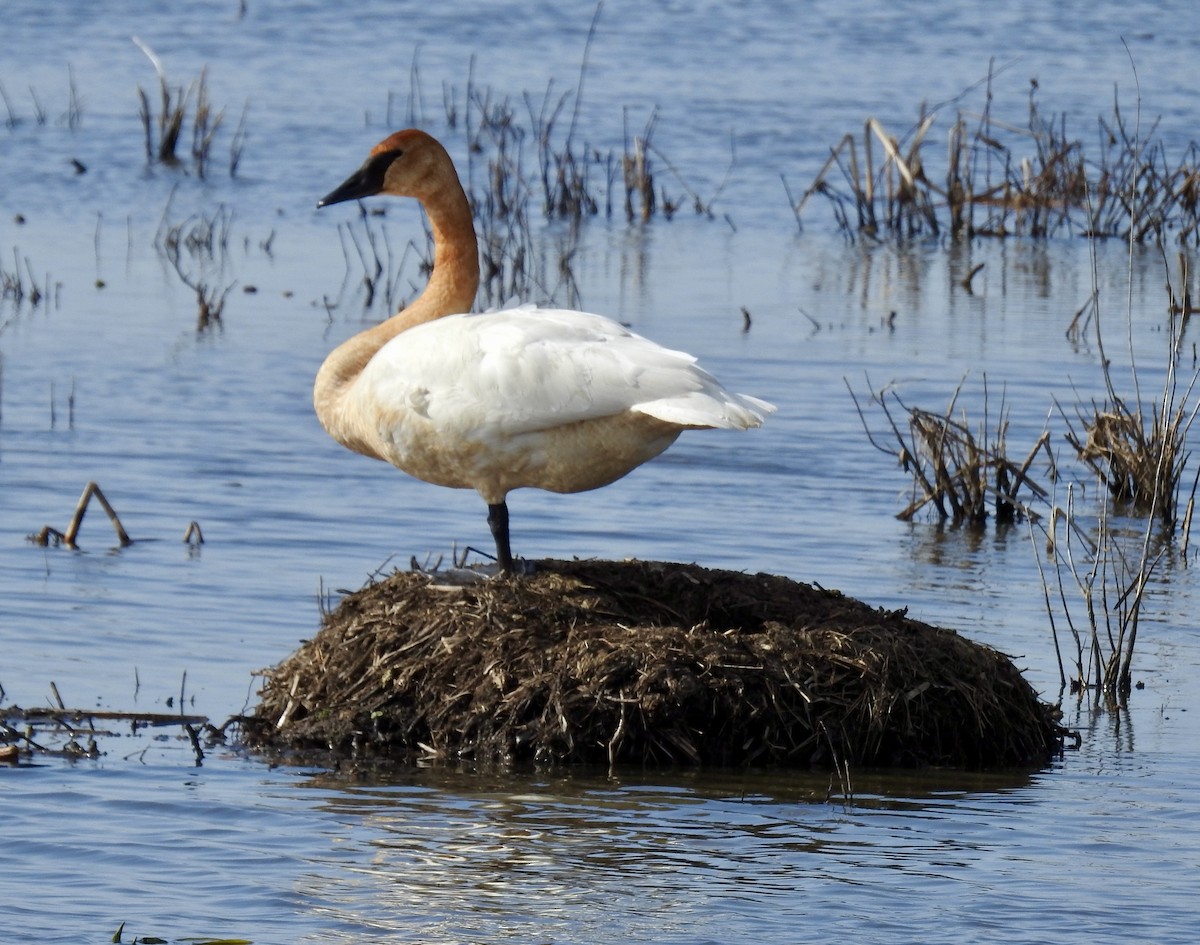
660,788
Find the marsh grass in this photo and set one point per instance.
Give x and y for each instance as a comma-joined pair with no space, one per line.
71,117
163,129
74,113
197,249
963,473
1137,450
237,144
566,178
70,406
500,194
1139,455
525,160
1100,572
21,285
11,120
1000,178
1180,303
1135,447
1097,567
205,123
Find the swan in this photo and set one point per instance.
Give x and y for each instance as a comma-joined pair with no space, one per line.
547,398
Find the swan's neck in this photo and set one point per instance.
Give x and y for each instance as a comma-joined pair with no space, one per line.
455,277
450,290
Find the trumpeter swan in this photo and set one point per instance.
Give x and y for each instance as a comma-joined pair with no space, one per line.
557,400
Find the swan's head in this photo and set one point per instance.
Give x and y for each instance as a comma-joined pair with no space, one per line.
405,164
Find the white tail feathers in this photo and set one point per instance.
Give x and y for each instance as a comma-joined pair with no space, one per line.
725,410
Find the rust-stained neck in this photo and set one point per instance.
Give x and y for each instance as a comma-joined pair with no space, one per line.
424,170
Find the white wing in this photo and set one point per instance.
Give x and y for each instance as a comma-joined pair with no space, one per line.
528,369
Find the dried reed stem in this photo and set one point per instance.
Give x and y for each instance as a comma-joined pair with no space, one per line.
50,535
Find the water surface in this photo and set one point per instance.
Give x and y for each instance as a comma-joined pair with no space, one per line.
113,384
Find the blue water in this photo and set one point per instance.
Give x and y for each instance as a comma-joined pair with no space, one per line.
218,429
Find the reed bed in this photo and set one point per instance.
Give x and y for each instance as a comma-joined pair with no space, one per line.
164,129
644,663
1000,178
1137,451
965,475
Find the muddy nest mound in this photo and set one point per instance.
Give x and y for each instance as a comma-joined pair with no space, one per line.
645,662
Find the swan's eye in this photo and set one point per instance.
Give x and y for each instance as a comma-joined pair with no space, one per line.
378,165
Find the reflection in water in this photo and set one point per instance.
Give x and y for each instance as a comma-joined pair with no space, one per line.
943,544
578,858
1109,727
633,268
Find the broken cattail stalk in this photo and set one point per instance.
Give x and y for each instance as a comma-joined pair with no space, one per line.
90,490
50,535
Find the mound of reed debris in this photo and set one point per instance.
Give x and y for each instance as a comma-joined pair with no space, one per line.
647,663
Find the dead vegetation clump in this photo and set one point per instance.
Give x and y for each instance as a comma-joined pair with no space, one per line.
965,475
1140,463
198,250
1138,447
1004,178
162,131
644,663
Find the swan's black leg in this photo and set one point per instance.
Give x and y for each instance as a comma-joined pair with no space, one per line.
498,522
